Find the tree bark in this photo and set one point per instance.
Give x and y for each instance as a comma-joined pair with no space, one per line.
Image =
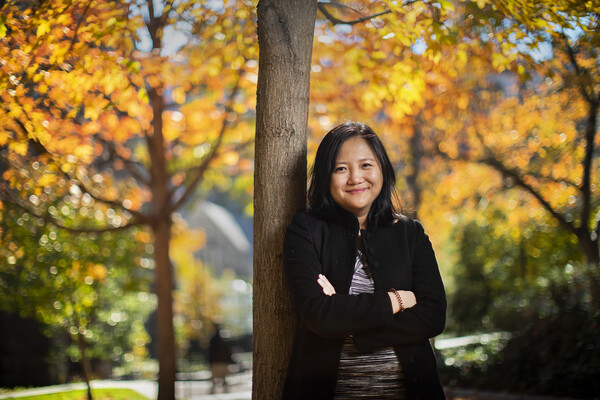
285,36
161,227
85,364
164,316
417,154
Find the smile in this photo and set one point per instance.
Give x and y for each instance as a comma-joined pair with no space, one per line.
356,191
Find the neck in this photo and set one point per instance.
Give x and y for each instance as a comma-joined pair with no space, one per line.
362,222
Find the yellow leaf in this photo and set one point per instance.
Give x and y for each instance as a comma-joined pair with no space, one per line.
66,167
47,180
239,108
179,95
91,113
99,272
83,152
19,147
43,28
134,109
142,96
2,26
3,138
447,5
378,55
230,158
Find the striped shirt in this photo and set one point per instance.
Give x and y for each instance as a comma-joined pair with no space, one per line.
376,375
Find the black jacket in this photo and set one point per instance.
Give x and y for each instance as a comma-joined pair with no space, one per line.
400,256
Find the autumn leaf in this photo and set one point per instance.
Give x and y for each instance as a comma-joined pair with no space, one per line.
43,28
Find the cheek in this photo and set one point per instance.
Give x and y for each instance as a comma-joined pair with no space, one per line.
334,184
377,180
376,177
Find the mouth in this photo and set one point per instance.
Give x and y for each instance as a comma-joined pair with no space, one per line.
356,191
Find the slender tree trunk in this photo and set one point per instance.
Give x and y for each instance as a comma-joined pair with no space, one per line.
85,364
161,226
592,255
164,291
285,35
412,179
588,233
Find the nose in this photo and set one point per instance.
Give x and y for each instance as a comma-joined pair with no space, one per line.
355,177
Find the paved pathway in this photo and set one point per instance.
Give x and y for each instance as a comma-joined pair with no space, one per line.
240,388
468,394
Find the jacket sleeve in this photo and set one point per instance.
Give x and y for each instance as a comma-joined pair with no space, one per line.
328,316
428,317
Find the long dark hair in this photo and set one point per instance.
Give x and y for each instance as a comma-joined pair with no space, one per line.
384,208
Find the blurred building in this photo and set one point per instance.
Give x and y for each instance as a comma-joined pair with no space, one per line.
227,246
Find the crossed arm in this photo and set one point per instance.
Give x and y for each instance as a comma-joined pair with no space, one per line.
374,319
407,298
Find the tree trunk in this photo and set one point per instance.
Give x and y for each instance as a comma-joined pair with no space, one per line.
85,364
164,292
412,179
161,226
592,256
285,35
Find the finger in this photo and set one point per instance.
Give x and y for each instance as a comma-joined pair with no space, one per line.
328,284
328,288
325,284
322,282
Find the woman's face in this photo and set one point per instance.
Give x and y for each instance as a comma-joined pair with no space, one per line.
357,178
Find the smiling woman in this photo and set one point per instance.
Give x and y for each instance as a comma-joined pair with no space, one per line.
357,338
357,178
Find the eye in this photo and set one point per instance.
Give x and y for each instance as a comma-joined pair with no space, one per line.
367,165
339,169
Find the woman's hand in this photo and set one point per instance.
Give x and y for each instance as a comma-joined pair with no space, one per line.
408,300
328,288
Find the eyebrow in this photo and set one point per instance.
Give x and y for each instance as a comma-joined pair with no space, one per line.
361,160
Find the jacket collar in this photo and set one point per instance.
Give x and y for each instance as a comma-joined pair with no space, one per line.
345,218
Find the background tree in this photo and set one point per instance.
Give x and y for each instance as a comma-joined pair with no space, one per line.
285,33
76,288
92,94
537,126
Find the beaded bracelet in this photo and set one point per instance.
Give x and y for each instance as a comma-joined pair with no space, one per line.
398,298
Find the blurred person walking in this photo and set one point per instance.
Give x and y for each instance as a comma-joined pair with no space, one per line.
219,358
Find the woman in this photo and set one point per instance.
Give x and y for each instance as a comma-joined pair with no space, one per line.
363,279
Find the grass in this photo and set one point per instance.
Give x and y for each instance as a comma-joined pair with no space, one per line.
98,394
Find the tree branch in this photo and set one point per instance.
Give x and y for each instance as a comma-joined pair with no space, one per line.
336,21
579,72
79,23
166,10
583,76
51,220
129,164
597,230
83,187
201,169
519,181
587,163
